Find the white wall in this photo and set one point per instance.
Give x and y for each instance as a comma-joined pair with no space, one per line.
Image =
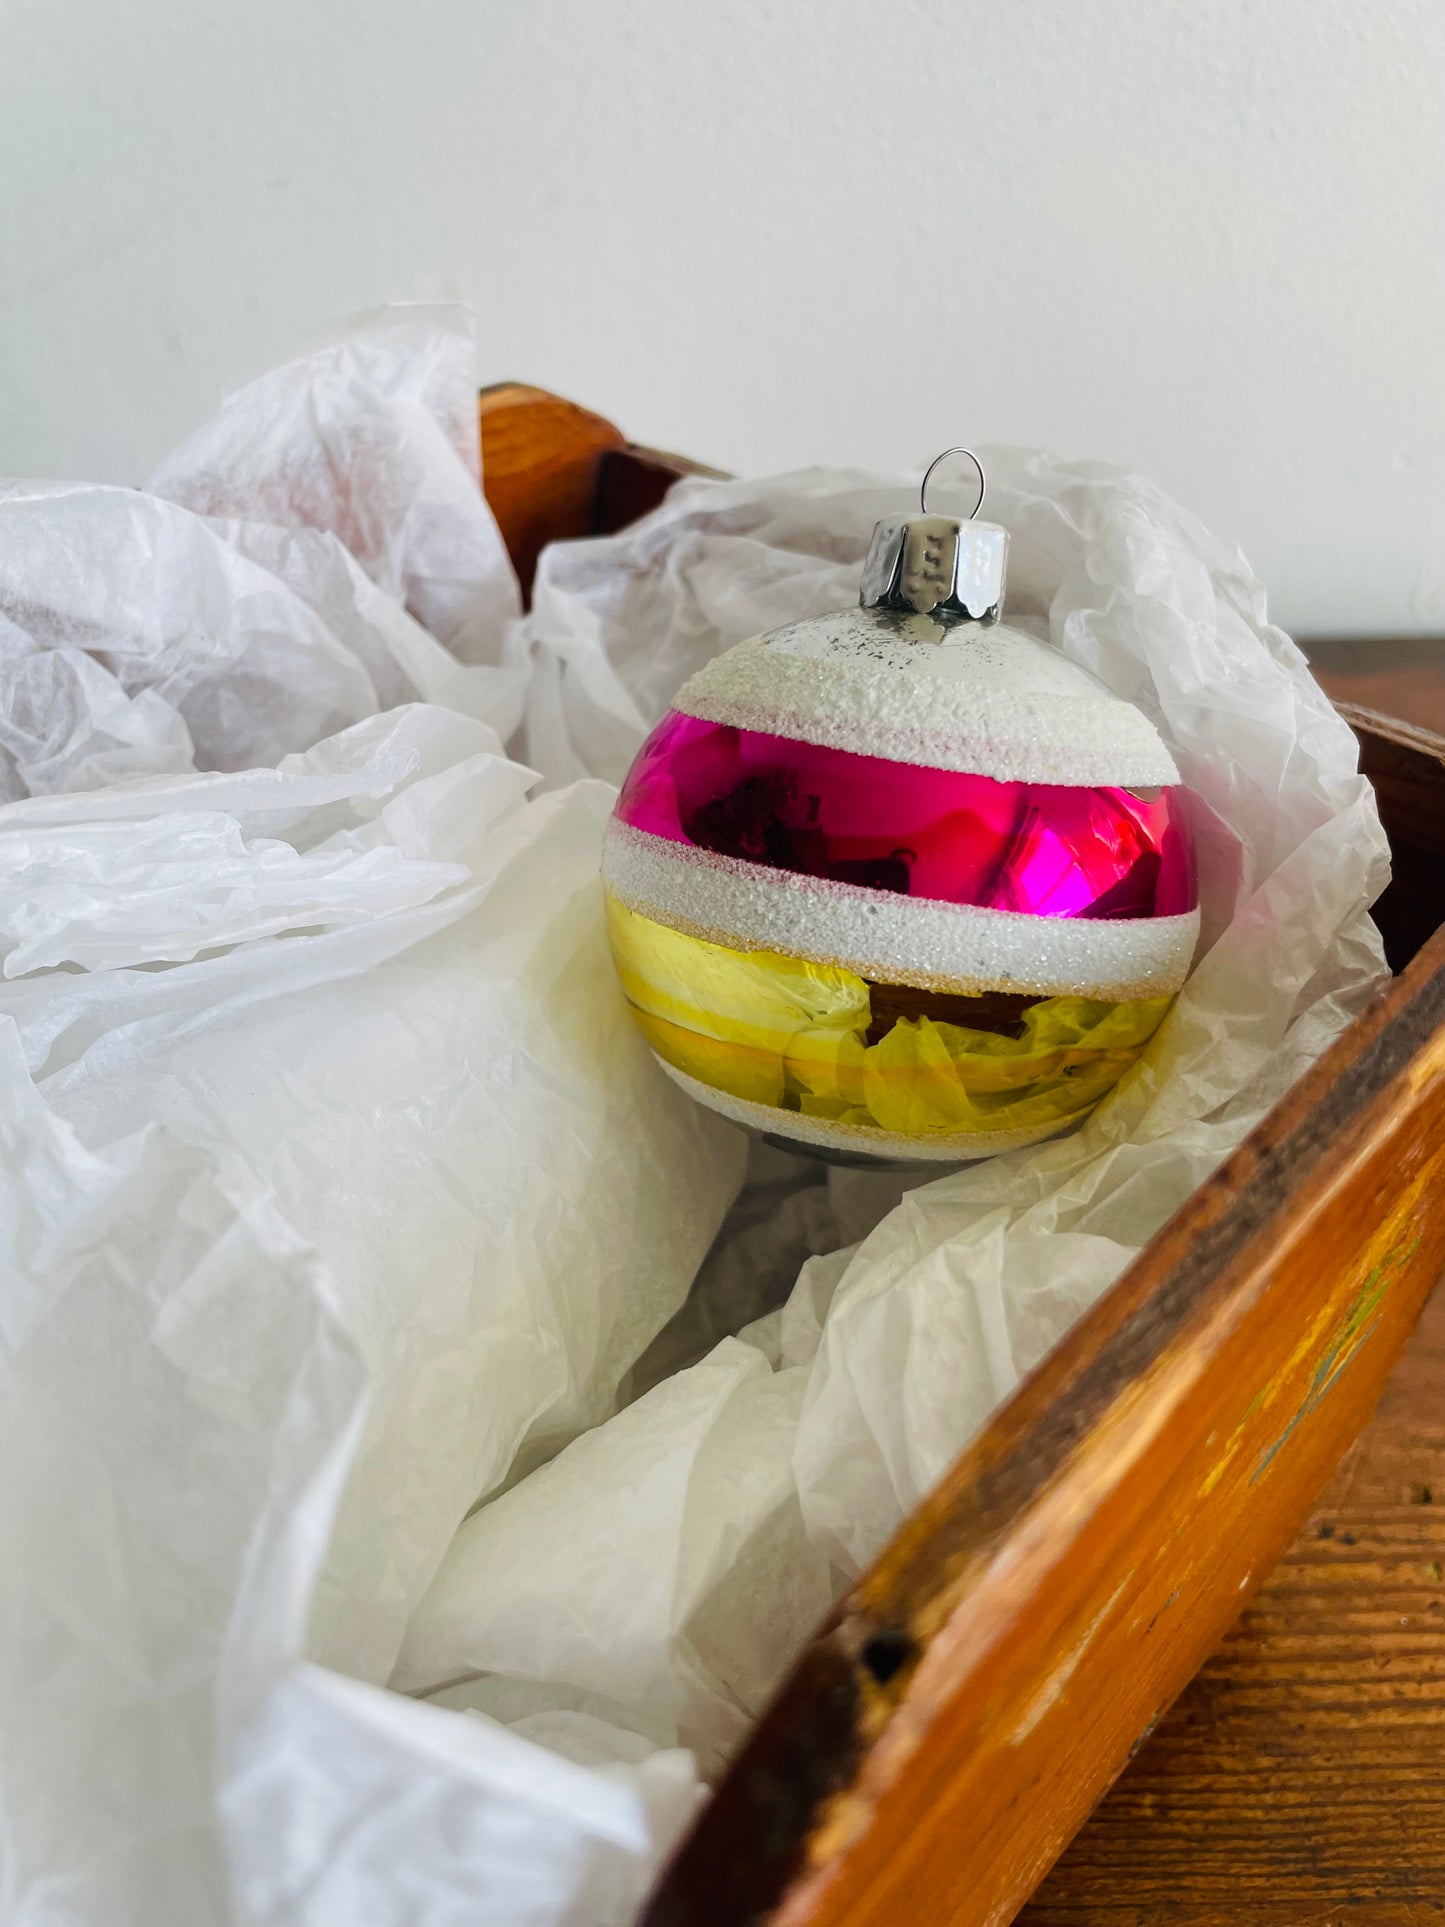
1202,237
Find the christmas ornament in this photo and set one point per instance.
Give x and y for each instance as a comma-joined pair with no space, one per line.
902,882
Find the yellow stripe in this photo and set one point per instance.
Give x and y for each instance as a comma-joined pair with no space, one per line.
781,1031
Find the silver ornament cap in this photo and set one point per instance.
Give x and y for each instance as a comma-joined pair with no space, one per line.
937,565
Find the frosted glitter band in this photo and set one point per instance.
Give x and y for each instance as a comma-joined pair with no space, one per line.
997,703
814,811
796,1040
906,940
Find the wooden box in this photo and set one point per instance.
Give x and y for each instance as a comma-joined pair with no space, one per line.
943,1736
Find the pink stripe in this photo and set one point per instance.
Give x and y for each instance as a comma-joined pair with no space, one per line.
1041,848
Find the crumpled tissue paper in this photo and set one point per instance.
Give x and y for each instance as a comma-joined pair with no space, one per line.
409,1501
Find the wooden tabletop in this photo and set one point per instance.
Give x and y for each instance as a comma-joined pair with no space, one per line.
1300,1780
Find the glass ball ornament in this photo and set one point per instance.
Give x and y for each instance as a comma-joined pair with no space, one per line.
902,883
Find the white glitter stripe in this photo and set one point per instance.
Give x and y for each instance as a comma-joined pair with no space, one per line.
827,1134
1013,735
890,938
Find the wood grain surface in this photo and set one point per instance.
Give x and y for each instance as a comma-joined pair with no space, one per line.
541,468
1402,675
1300,1780
553,472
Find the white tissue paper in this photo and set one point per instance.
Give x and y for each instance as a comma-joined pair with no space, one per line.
409,1501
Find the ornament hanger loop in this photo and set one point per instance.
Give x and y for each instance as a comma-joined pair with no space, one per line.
982,481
